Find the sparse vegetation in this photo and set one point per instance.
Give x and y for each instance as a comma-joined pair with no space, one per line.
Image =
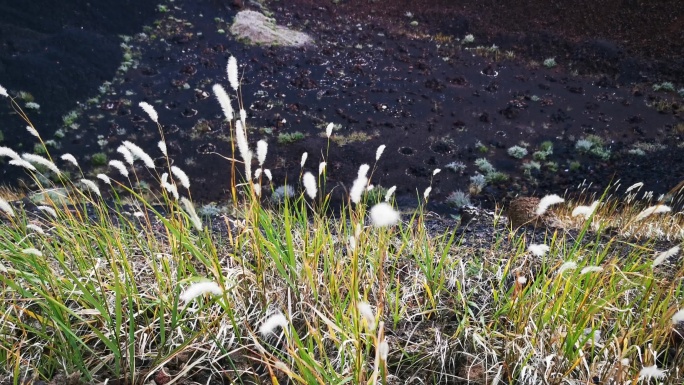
550,62
517,152
290,137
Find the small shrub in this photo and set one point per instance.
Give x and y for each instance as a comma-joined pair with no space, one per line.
550,62
484,165
575,165
469,38
99,159
517,152
664,86
456,166
458,199
496,177
477,183
290,137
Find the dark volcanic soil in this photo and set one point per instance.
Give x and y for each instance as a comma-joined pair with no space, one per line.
388,77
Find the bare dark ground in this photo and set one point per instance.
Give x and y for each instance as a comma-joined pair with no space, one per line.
414,88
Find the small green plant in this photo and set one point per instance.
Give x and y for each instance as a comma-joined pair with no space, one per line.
99,159
545,149
550,62
664,86
455,166
467,39
458,199
481,147
517,152
593,145
290,137
575,165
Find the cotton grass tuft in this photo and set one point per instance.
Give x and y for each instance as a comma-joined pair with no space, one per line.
32,251
198,289
22,163
585,211
547,202
379,151
273,322
383,214
37,159
426,193
224,101
117,164
367,316
162,147
32,131
649,372
3,92
232,71
359,184
321,168
329,130
661,257
126,153
8,152
104,178
538,250
70,158
567,266
389,193
48,210
303,160
92,186
652,210
181,176
139,153
6,207
310,185
262,150
190,209
591,269
678,317
149,109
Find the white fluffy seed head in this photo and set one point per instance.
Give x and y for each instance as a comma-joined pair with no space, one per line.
6,207
678,317
104,178
257,173
171,188
48,210
585,211
3,92
538,250
567,266
32,131
200,288
149,109
437,171
591,269
8,152
262,150
303,161
637,185
162,147
243,115
269,326
37,159
383,350
22,163
389,193
35,228
661,257
649,372
379,151
70,158
117,164
232,71
190,210
224,101
357,189
310,185
352,243
139,153
426,193
92,186
652,210
329,129
383,214
267,172
32,251
547,202
128,156
321,168
181,176
367,316
257,189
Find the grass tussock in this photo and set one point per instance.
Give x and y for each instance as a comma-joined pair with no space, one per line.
107,281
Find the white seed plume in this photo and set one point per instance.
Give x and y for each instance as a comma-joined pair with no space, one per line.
32,251
329,129
426,193
232,71
22,163
117,164
104,178
379,151
652,210
367,316
92,186
128,156
637,185
661,257
383,214
190,209
37,159
678,317
224,101
538,250
35,228
310,185
32,131
243,148
358,188
383,350
6,151
267,172
321,168
257,173
591,269
162,147
269,326
352,243
649,372
181,176
304,156
437,171
567,266
243,115
522,280
585,211
370,188
70,158
139,153
6,207
171,188
257,189
149,109
48,210
389,193
200,288
546,202
3,92
262,149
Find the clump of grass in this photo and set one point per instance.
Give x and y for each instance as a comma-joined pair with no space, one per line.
109,274
290,137
517,152
593,145
550,62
